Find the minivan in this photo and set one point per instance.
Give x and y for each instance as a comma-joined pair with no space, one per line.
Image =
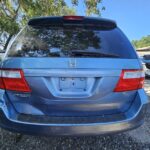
73,76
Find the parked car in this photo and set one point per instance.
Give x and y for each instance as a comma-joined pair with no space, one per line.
71,75
146,64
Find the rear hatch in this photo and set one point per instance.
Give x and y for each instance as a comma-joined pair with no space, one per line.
72,66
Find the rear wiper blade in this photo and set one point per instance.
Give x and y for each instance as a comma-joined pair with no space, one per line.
93,54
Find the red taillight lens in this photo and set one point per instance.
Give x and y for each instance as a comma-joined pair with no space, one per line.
73,17
130,80
13,79
1,83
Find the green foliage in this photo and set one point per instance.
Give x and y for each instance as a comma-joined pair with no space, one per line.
14,14
8,15
9,25
92,6
143,42
32,8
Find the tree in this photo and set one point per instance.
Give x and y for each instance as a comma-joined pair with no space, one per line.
143,42
15,13
92,6
8,24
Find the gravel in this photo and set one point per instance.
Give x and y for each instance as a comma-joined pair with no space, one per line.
138,139
120,141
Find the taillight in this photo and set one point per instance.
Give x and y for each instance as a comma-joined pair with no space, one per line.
73,17
13,79
130,80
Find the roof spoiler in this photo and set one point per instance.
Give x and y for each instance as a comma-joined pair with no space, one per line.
73,21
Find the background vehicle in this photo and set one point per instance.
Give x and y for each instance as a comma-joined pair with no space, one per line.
71,75
146,63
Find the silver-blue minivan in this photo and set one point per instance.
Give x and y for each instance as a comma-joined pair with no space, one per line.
71,75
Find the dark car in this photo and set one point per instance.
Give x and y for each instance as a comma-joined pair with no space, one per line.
71,75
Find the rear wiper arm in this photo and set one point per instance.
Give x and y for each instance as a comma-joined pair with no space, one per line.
94,54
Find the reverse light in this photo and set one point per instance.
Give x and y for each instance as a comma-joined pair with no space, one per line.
130,80
13,79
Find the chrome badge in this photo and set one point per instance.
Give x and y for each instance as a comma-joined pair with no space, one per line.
72,62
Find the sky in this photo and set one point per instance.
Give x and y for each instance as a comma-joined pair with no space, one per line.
132,16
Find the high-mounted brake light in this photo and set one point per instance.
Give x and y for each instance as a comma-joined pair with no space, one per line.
13,79
130,80
73,17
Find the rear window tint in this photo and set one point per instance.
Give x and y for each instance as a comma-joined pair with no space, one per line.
71,42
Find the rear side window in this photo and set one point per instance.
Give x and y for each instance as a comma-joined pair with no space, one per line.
71,42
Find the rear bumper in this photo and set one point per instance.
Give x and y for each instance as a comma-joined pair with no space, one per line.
132,119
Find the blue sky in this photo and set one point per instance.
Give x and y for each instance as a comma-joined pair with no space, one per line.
132,16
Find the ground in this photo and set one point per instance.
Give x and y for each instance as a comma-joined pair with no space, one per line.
138,139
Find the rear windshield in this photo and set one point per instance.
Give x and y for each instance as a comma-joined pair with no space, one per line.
71,42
